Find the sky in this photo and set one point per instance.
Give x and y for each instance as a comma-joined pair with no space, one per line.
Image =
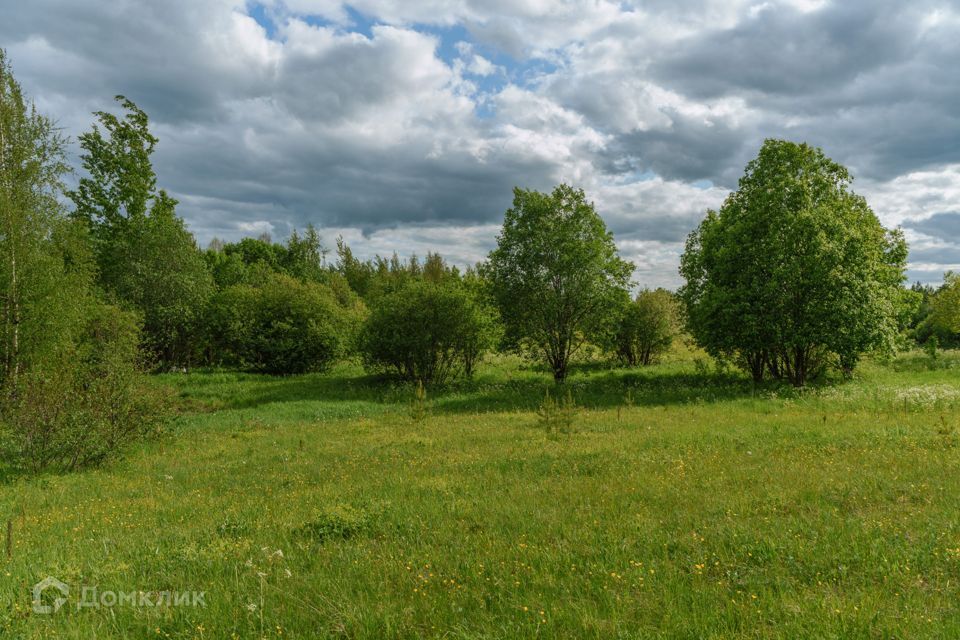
404,125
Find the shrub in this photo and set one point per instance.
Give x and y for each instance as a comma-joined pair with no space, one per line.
341,522
427,332
647,327
556,415
82,406
282,325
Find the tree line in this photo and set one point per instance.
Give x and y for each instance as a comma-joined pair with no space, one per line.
792,276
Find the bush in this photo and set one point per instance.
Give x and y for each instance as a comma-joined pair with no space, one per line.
341,522
427,332
82,406
282,325
647,327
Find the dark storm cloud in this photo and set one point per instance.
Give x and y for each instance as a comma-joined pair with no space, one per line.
789,52
658,228
873,81
689,149
949,254
149,51
945,226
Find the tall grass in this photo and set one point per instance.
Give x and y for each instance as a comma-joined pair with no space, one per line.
703,506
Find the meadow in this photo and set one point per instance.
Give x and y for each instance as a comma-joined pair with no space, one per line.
676,501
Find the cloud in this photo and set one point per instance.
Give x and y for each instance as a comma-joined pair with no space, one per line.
404,124
939,225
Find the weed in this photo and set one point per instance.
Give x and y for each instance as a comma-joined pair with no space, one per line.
340,522
418,404
558,416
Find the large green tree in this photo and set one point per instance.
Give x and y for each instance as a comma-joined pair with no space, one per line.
36,303
794,272
556,274
146,257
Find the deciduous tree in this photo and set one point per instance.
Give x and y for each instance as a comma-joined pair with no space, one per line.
794,272
647,327
146,258
556,274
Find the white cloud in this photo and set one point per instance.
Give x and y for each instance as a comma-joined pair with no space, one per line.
377,135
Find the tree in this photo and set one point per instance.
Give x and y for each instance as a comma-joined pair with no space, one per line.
556,274
167,280
146,257
794,272
31,169
119,185
485,329
83,406
359,274
427,332
647,327
945,310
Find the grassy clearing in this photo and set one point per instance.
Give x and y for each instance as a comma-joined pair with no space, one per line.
687,503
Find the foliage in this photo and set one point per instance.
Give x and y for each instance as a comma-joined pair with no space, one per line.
378,276
282,325
166,279
794,272
250,259
84,407
484,329
71,391
647,327
305,255
340,522
121,182
34,281
925,324
556,415
146,258
946,304
556,274
427,332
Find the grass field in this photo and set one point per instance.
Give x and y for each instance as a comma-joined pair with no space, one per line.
685,503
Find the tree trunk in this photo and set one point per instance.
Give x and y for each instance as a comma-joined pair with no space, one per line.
757,362
559,366
12,310
798,372
14,366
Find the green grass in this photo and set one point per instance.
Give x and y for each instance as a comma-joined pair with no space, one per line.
315,506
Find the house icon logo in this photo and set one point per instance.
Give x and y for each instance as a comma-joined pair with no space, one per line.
49,583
